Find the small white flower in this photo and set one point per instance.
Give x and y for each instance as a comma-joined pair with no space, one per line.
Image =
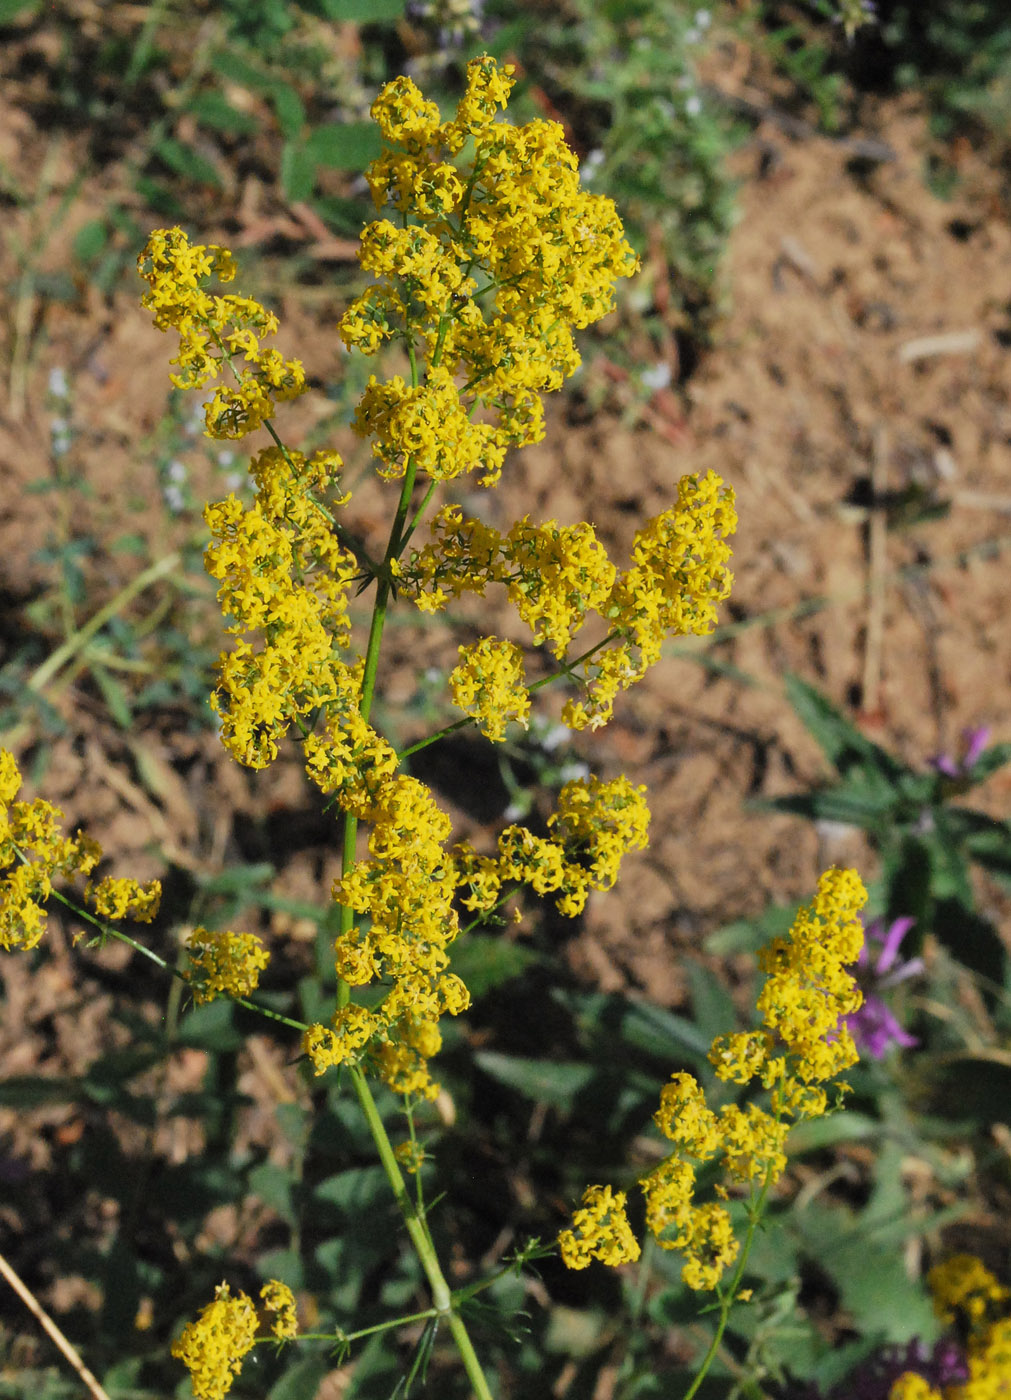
591,164
58,386
656,376
694,105
575,769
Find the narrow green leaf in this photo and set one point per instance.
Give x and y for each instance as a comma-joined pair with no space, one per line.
10,9
360,1189
713,1009
273,1185
114,695
90,240
213,110
298,171
302,1379
985,839
344,146
184,160
289,109
992,758
231,65
362,11
841,741
25,1091
748,935
211,1027
554,1082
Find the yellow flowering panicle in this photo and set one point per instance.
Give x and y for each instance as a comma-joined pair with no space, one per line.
214,1346
912,1386
224,963
490,685
284,578
503,258
600,1230
215,331
406,889
558,577
493,253
34,851
962,1287
678,577
989,1362
803,1042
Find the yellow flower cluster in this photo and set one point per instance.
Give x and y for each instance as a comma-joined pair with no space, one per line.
34,851
407,887
490,685
214,1346
228,963
592,829
278,1299
284,577
410,1155
123,898
557,577
600,1230
966,1293
804,1042
213,330
505,255
406,890
963,1287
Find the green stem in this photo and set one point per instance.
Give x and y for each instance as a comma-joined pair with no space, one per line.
109,932
417,1229
565,669
75,643
363,1332
728,1297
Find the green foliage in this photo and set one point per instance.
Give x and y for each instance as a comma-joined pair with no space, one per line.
926,840
956,51
624,73
957,54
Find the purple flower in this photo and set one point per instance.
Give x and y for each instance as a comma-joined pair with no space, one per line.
974,741
874,1026
943,1365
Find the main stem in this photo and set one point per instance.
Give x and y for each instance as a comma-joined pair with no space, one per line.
417,1228
727,1300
